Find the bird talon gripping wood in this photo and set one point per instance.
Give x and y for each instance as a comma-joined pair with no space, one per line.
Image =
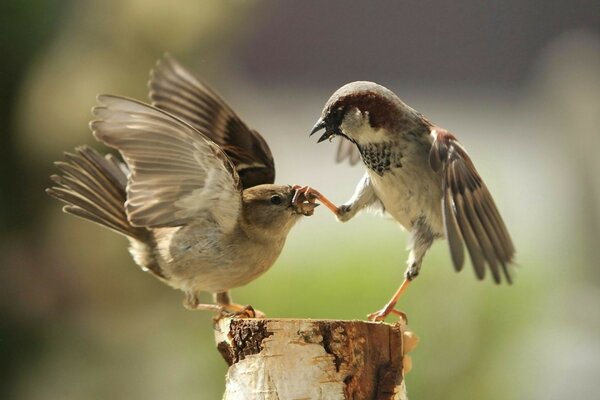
239,311
420,175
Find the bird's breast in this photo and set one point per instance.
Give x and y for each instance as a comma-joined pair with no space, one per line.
410,191
201,257
381,157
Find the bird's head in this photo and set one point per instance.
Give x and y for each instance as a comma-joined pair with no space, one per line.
362,112
273,208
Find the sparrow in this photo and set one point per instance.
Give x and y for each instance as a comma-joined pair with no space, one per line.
195,195
419,174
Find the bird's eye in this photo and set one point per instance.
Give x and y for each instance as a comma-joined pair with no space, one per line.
276,199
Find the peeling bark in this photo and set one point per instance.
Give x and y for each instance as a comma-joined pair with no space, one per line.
313,359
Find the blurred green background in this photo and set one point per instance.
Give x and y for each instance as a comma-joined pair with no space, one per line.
518,82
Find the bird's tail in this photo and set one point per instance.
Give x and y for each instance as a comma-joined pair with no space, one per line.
93,187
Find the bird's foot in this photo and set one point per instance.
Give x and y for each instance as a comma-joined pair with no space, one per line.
194,306
311,195
304,201
400,314
389,307
380,315
224,310
344,213
241,311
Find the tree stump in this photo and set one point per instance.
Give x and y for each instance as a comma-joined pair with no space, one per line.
288,359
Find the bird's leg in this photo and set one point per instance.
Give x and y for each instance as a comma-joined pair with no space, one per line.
191,302
311,194
411,273
421,239
389,307
223,306
363,196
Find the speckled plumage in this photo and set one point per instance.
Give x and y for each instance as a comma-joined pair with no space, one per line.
379,157
420,175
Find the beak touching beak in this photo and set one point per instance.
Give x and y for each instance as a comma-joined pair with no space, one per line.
321,125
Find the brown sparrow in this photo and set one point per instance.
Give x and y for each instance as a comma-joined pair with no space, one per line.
420,175
195,196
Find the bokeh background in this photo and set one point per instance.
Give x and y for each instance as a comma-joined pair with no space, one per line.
517,81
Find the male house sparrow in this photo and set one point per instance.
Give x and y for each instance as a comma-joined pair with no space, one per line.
195,199
420,175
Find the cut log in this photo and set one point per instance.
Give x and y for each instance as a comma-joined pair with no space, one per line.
288,359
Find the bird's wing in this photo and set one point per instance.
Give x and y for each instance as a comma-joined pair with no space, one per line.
347,150
174,89
470,215
176,174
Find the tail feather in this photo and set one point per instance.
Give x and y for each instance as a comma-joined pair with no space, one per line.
93,187
78,193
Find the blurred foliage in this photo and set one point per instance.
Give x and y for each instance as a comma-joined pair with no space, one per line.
79,320
27,26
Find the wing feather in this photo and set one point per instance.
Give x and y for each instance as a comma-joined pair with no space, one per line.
174,89
466,230
347,151
177,174
452,231
470,216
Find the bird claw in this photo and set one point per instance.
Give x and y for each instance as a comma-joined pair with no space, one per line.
379,316
400,314
304,193
239,311
304,200
312,195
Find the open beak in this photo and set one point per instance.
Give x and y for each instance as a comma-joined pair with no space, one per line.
321,124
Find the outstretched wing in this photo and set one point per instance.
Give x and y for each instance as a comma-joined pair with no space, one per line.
470,215
347,150
174,89
177,174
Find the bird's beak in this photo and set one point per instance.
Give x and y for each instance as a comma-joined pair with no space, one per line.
307,208
321,125
318,126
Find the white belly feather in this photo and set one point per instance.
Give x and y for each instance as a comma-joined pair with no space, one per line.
410,192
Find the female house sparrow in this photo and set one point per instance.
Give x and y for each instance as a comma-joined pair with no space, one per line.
420,175
199,216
